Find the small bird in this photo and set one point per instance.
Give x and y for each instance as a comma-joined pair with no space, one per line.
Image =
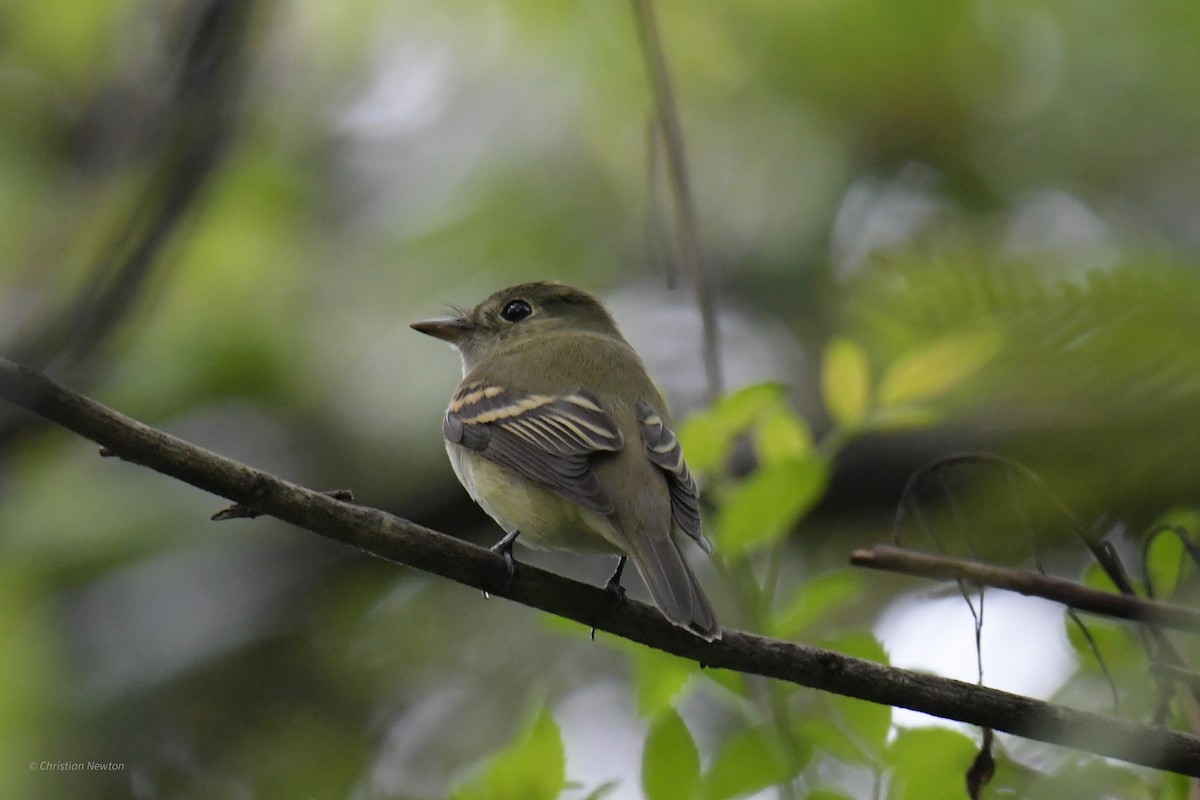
558,433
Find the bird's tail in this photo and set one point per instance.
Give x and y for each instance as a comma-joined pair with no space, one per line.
673,585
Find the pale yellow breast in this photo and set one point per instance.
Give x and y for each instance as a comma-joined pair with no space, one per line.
544,519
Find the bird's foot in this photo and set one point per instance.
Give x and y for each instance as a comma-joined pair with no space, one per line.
505,548
614,583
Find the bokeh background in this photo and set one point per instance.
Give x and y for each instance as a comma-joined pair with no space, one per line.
220,218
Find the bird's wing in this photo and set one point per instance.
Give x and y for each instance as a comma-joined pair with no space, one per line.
663,450
546,438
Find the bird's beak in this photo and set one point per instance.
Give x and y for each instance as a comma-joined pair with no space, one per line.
448,330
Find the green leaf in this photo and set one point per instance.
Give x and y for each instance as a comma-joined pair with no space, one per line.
705,445
736,412
846,382
781,436
937,367
707,437
532,768
730,681
859,644
1096,577
867,723
1087,777
670,762
816,598
1115,642
828,738
764,507
1180,517
929,762
749,762
1165,561
659,678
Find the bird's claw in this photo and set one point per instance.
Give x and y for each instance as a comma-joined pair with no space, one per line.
505,548
614,583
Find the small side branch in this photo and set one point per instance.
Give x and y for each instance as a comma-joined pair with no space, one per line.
1069,593
405,542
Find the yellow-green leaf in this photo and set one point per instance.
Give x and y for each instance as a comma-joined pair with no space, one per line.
531,768
828,738
762,508
781,436
816,598
846,382
705,444
1166,561
670,762
929,762
707,437
737,411
659,678
937,367
750,761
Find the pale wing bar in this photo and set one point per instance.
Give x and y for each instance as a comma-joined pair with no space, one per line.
663,450
549,439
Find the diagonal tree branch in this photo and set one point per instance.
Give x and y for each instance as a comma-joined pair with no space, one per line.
1069,593
407,543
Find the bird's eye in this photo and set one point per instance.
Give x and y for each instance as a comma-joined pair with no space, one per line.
516,310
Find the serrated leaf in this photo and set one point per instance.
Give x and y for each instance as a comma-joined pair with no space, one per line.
749,762
937,367
764,507
929,762
845,382
781,436
670,762
815,598
533,767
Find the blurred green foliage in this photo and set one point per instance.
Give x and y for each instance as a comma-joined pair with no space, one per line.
934,225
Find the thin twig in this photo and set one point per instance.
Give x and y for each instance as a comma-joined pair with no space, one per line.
405,542
690,252
1069,593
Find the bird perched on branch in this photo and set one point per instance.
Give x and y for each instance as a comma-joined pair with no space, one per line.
558,433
